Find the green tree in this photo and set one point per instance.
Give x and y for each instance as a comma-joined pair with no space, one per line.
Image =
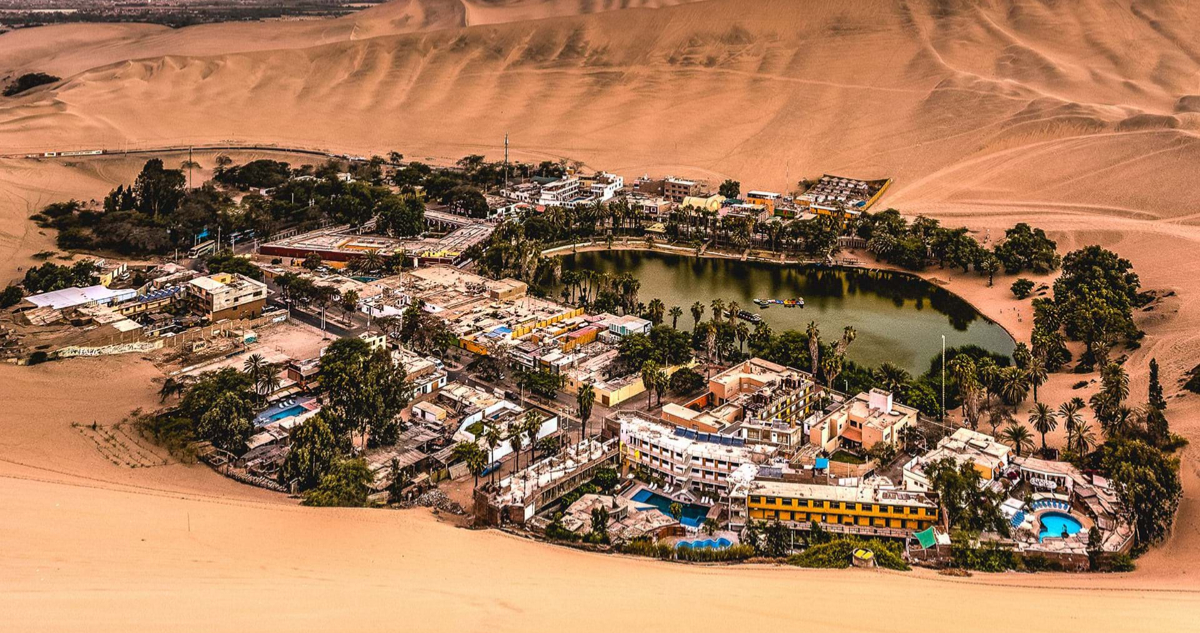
730,189
13,294
1017,436
675,313
584,399
968,504
313,451
1021,288
650,376
697,314
365,391
312,261
158,190
475,459
1147,481
227,424
346,485
1156,398
401,215
1043,420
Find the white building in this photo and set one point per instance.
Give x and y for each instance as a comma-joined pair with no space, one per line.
700,466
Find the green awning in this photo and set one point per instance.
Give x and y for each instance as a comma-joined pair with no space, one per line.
926,538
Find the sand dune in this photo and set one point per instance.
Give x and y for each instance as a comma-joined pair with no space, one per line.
1081,117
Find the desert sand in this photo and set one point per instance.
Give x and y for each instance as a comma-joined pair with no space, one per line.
1079,117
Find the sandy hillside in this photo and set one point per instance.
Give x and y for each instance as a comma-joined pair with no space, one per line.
1080,117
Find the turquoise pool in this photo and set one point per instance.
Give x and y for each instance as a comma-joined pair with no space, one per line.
693,515
288,412
1055,524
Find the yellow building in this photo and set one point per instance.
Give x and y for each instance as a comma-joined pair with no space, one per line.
855,509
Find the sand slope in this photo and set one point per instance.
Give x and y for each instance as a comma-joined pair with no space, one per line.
1080,117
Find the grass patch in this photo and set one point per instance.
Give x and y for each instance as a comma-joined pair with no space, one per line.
846,458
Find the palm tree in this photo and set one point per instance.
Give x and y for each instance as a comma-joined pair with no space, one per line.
656,310
1038,374
171,387
472,455
892,377
1014,385
585,399
256,367
650,378
531,426
675,313
1069,412
831,366
734,309
697,314
514,440
848,336
1043,420
742,329
1085,439
710,339
1018,437
814,346
268,381
491,437
718,310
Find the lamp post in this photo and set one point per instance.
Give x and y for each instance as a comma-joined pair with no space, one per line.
943,412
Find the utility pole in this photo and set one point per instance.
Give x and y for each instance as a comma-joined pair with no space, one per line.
506,161
943,416
190,163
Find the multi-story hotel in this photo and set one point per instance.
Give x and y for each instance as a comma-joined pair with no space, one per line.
227,296
757,401
860,509
697,461
862,422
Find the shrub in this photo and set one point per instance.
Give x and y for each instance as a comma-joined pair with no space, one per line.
665,551
989,557
1121,563
1193,381
11,296
28,81
1022,287
837,554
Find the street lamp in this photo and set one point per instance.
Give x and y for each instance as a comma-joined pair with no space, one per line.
943,412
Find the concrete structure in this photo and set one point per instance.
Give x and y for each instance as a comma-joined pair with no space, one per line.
988,456
862,422
757,401
699,462
72,297
676,189
863,509
226,296
517,498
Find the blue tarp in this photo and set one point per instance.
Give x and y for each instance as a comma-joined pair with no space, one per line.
822,463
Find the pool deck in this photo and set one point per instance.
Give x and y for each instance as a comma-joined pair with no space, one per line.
264,418
682,496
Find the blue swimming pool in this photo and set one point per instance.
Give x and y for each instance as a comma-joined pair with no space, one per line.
708,543
693,514
288,412
1054,524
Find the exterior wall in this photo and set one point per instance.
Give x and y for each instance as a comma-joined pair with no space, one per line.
869,515
243,311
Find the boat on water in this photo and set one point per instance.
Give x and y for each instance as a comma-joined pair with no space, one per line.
798,302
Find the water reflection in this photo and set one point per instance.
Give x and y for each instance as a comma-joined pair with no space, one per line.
899,317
